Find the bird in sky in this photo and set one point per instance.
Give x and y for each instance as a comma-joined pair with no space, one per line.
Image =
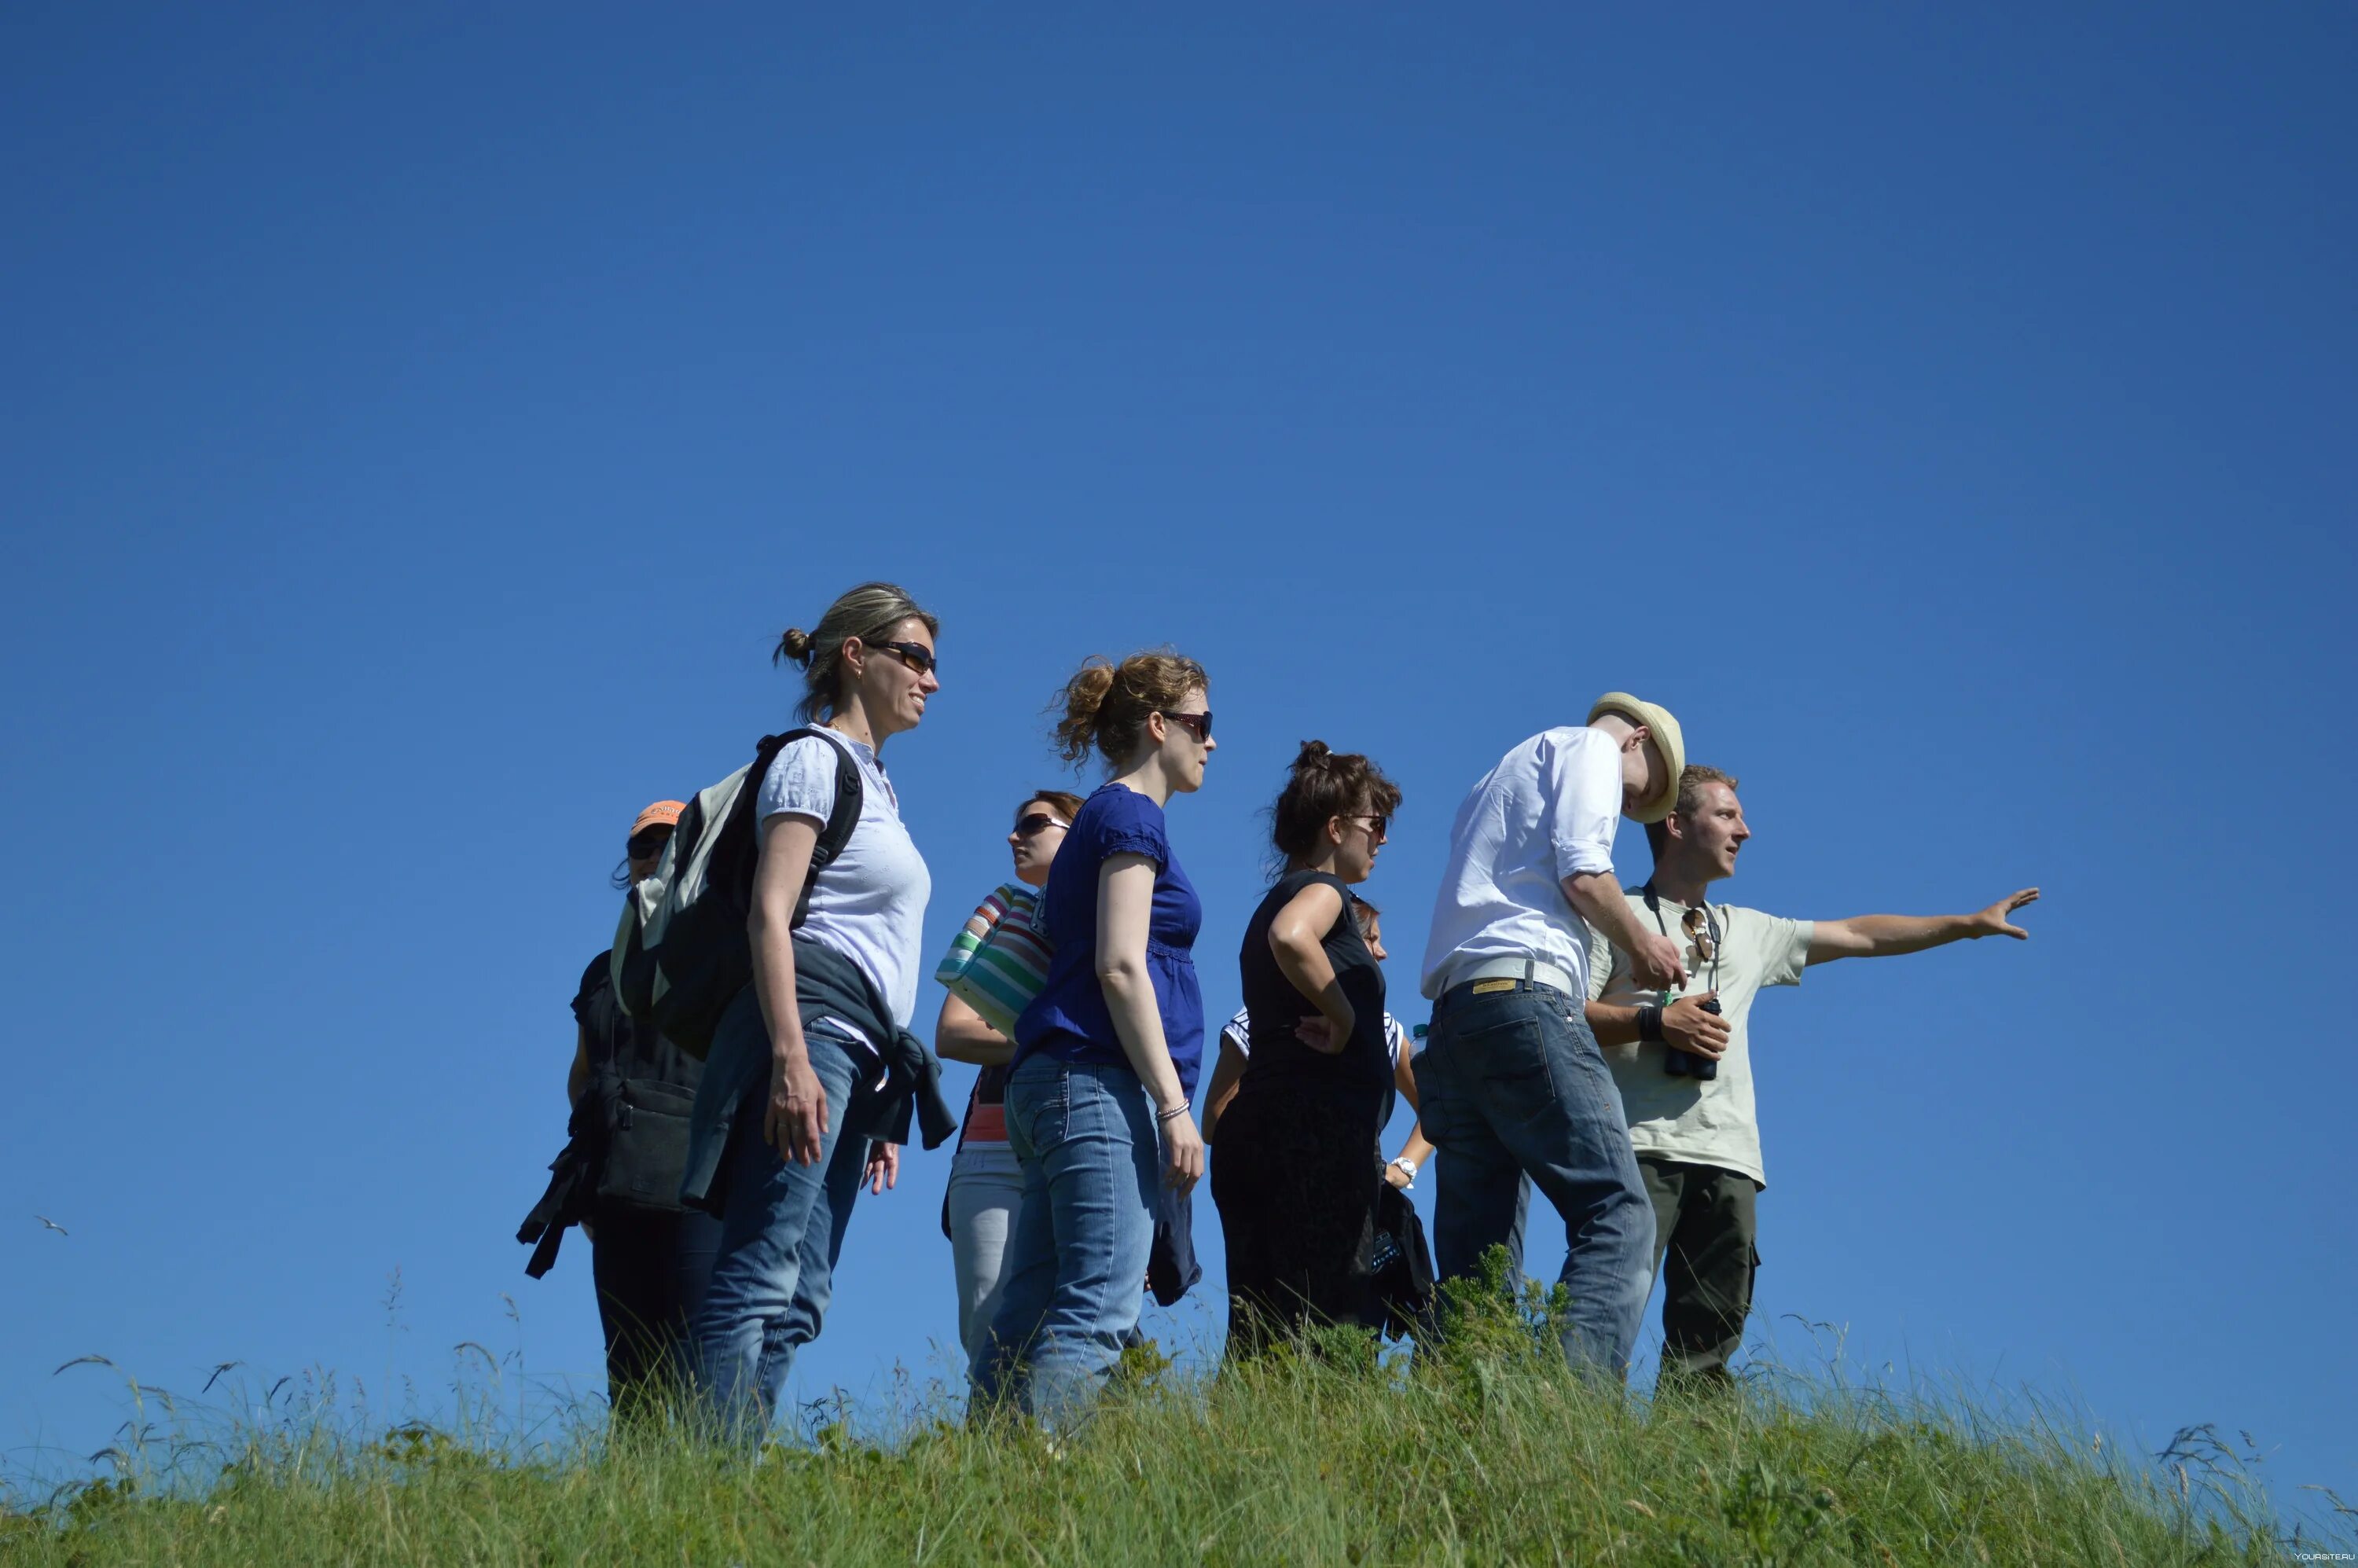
49,1224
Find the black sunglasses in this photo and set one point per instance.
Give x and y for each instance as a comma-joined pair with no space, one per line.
1199,725
1704,932
916,656
1038,822
646,843
1378,828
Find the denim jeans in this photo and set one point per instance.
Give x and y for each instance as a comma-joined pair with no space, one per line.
781,1231
1510,1084
985,1188
1076,1267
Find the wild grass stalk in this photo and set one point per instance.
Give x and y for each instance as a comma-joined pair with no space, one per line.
1324,1452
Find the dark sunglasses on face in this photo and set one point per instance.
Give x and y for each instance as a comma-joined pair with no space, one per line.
1378,828
1035,824
916,656
1199,725
646,845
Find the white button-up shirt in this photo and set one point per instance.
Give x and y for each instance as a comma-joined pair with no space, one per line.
1546,812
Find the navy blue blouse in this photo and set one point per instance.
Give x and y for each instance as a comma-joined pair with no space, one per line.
1069,1020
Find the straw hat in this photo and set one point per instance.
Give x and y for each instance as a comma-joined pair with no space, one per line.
1664,730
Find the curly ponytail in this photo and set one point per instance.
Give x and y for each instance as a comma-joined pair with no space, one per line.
1105,705
1326,785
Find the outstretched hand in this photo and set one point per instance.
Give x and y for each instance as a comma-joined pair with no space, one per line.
1993,920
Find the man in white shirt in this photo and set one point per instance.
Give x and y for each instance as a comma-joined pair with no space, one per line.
1696,1138
1511,1082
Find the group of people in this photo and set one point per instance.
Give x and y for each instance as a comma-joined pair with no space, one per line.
1585,1040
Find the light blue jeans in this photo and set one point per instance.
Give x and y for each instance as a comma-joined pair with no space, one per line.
1511,1085
1076,1267
986,1189
782,1230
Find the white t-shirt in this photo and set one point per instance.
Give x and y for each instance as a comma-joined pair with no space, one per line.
869,902
1237,1032
1705,1122
1546,812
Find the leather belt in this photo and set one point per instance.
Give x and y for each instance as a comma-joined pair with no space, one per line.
1536,971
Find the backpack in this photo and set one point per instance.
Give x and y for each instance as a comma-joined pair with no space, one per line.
681,953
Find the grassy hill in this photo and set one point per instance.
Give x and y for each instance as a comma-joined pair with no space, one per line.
1489,1453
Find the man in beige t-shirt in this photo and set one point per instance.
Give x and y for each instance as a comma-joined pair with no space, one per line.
1696,1138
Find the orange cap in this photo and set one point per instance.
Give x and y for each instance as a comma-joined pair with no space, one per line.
662,813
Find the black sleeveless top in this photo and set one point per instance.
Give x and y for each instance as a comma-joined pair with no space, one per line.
1275,1008
624,1046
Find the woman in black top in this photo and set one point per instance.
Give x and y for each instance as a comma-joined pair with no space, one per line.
1298,1167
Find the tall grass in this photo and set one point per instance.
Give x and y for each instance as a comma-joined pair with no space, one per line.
1324,1452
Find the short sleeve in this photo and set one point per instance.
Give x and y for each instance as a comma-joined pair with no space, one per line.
1133,825
1784,949
1396,1040
1237,1032
1600,964
1581,781
801,782
600,973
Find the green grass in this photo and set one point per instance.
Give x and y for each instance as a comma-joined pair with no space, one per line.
1328,1454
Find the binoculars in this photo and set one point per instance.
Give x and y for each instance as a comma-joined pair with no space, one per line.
1680,1064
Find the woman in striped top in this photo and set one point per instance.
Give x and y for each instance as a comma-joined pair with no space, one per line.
986,1182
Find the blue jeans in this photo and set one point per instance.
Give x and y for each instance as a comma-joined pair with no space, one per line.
1076,1266
781,1231
1510,1084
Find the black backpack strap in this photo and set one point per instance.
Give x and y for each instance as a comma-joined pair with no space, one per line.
849,795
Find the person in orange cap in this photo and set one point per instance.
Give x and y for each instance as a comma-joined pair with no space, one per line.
649,1256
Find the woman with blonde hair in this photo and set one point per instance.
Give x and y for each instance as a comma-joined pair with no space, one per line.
1098,1096
813,1063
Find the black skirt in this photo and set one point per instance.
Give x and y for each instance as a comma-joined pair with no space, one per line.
1296,1173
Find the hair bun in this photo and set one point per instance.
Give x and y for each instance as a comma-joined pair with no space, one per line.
795,645
1313,753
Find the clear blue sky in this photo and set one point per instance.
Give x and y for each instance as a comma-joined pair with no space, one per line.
419,424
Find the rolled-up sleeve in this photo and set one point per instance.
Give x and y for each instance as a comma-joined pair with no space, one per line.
1600,965
1583,778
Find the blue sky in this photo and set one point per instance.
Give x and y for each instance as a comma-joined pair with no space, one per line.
419,427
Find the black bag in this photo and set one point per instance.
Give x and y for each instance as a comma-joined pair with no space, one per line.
682,954
645,1142
1402,1264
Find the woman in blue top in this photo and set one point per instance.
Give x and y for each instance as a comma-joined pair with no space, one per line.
1099,1094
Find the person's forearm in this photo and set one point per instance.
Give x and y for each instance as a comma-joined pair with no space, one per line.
973,1040
1887,935
576,1077
1130,998
1312,973
774,983
1598,899
1612,1025
1418,1148
1215,1101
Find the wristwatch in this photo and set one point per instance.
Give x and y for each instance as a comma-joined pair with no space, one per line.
1403,1163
